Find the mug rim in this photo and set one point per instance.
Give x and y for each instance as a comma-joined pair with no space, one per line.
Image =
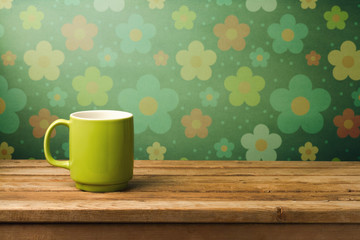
126,115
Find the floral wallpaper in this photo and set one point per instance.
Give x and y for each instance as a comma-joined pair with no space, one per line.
206,80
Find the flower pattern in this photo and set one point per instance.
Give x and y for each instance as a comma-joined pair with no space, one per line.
224,2
113,5
6,151
41,122
107,57
31,18
336,18
8,58
92,87
156,151
196,61
156,4
259,57
6,4
150,104
244,87
356,96
161,58
313,58
65,148
184,18
346,61
266,5
44,62
93,55
308,151
57,97
135,35
224,148
300,106
196,124
79,34
231,34
11,101
305,4
209,97
287,35
261,144
348,124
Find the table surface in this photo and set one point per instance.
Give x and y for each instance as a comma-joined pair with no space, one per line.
187,192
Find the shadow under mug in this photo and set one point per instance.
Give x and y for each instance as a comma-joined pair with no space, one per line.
101,149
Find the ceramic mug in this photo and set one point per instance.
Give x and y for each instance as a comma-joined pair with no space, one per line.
101,149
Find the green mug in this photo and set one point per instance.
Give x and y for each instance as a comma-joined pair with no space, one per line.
101,149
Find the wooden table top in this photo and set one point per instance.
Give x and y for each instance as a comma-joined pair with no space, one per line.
187,192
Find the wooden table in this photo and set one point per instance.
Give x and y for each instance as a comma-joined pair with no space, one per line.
185,200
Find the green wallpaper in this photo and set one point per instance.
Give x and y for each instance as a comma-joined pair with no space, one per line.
216,79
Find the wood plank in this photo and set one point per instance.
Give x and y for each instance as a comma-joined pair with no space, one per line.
181,211
181,231
201,179
204,184
180,196
202,164
50,171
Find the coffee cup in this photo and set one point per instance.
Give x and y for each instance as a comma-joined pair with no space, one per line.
101,149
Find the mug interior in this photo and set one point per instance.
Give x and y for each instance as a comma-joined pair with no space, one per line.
101,115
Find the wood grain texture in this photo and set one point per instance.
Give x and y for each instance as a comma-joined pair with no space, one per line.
180,231
187,192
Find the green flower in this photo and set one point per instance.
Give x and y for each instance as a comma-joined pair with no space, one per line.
11,101
300,106
184,18
224,2
31,18
149,104
244,87
287,35
356,96
259,57
266,5
224,148
335,18
261,144
135,34
209,97
92,87
57,97
107,58
65,147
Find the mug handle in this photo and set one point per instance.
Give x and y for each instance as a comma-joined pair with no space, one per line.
48,156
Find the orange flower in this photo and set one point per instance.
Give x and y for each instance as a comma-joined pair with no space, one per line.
313,58
79,34
41,122
8,58
231,34
348,124
161,58
196,124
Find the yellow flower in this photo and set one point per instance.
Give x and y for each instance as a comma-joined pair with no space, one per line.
44,61
308,4
31,18
196,61
6,4
5,151
159,4
308,152
156,151
346,61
